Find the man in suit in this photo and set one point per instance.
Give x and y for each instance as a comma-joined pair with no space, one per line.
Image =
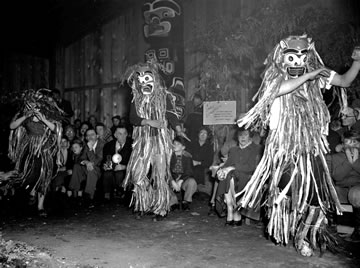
114,173
89,168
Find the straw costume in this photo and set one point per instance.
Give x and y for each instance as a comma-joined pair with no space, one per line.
33,145
148,169
293,178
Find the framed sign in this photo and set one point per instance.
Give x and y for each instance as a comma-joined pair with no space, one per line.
219,112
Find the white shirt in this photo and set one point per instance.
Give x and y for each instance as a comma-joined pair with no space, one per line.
94,147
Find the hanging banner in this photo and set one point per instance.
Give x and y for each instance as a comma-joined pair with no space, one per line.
219,112
164,32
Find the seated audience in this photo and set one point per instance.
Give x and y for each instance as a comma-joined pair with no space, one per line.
92,121
89,168
103,132
114,173
64,162
345,170
70,133
182,174
76,149
350,119
77,126
236,172
84,127
116,120
202,154
224,153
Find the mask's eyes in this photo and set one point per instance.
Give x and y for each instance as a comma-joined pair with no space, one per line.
290,57
147,78
304,58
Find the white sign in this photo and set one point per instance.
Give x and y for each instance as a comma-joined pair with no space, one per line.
219,112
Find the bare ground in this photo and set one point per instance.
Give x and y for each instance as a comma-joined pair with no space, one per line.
110,236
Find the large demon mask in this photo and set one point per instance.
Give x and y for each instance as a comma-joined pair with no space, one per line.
145,80
295,55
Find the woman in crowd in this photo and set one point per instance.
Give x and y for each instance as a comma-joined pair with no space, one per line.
236,172
202,155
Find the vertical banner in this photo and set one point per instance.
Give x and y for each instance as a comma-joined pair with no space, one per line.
164,32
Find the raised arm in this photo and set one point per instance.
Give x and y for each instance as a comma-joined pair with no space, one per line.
347,78
288,86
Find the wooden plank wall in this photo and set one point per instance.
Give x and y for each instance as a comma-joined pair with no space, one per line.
90,69
100,58
22,72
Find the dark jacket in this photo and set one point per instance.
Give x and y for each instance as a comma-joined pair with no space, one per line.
203,154
125,151
94,157
342,171
244,160
187,166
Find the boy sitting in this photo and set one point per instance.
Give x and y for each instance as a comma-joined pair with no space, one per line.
182,173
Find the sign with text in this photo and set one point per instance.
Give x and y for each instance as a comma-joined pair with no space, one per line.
219,112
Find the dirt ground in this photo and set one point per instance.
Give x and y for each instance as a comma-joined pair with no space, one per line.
109,236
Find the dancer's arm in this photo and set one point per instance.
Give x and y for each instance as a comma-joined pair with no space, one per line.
288,86
347,78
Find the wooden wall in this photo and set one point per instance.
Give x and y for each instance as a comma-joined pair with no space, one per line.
22,72
89,70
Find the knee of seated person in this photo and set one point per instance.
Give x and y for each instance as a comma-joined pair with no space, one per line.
354,196
192,181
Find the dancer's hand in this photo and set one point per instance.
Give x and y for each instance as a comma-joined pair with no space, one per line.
155,123
40,116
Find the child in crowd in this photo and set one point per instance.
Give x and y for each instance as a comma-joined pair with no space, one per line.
64,162
181,168
76,148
